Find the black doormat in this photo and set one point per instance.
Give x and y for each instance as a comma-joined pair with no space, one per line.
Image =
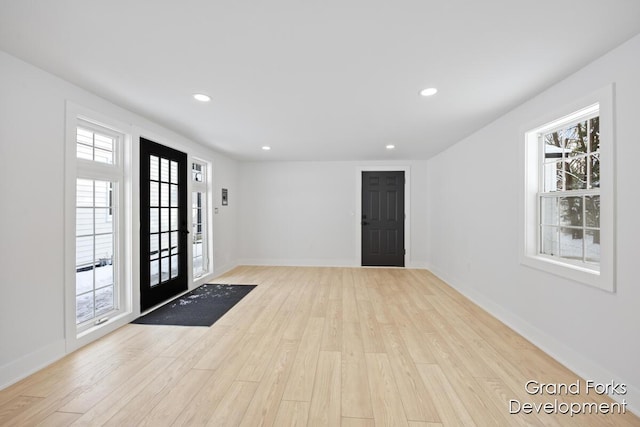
200,307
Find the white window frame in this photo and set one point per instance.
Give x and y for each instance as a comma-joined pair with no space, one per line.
119,173
602,277
204,188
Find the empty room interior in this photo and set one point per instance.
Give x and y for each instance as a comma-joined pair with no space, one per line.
433,201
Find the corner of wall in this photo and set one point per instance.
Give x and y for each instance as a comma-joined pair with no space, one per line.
219,271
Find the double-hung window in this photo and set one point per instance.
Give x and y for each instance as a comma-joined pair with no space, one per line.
569,195
569,191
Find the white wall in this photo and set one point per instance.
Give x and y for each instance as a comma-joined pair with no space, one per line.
225,222
32,140
304,213
473,232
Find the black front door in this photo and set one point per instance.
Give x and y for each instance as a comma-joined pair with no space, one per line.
383,218
163,223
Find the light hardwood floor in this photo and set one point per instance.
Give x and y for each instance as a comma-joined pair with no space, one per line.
308,346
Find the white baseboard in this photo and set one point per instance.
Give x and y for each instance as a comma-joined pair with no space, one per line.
21,368
418,265
306,262
316,263
573,360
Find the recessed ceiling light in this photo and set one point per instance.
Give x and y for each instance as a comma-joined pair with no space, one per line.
266,148
390,147
429,91
202,97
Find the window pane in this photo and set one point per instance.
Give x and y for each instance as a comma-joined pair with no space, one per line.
104,142
576,174
154,167
553,146
174,242
174,172
197,200
103,156
196,172
103,221
592,211
104,300
104,146
197,247
164,170
84,144
154,194
174,266
576,139
104,249
164,219
164,244
154,246
594,159
84,252
594,137
104,275
84,136
549,210
553,177
84,192
154,273
174,219
84,280
549,236
84,152
593,246
153,220
102,193
197,266
164,269
571,211
84,221
84,308
571,243
164,194
174,195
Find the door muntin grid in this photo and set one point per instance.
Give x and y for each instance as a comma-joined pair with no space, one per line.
164,192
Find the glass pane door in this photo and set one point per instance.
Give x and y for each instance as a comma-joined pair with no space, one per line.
163,223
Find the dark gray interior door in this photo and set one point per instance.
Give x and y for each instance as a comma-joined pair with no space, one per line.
383,219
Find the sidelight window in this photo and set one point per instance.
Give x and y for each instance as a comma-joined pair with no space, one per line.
199,218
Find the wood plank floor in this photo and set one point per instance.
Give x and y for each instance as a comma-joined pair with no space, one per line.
308,346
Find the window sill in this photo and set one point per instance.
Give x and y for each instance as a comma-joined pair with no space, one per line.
86,336
576,273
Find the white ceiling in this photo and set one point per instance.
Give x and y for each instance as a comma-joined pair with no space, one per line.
316,80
